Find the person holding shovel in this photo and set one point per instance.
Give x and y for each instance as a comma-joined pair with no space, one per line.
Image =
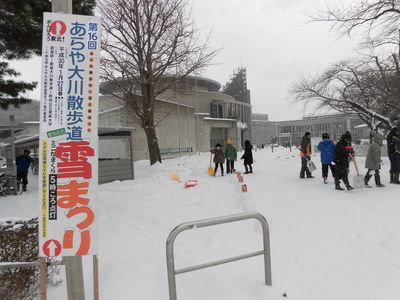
219,158
374,160
343,150
230,155
305,154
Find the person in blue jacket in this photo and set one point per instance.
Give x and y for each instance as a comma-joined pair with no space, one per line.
327,149
23,162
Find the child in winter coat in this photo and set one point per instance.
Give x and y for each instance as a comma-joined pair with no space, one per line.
231,156
219,158
374,160
343,150
327,149
248,157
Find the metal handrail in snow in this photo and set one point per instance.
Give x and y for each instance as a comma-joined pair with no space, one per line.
210,222
32,264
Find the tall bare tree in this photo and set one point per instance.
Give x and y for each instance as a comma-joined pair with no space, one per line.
379,18
145,42
368,88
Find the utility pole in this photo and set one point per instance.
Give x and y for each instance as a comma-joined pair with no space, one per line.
61,6
73,264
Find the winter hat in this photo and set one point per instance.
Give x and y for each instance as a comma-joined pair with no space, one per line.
218,145
346,136
325,136
229,141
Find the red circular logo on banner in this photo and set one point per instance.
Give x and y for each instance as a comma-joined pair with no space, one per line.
52,248
58,28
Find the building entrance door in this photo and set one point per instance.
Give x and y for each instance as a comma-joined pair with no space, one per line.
218,135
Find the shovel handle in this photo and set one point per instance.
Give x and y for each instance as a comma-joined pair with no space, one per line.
355,164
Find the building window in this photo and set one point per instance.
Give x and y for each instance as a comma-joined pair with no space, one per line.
216,109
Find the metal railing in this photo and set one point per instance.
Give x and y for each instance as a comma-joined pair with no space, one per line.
32,264
210,222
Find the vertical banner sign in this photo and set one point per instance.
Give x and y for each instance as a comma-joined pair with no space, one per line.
68,135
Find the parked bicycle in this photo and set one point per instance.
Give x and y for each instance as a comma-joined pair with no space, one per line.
7,186
35,168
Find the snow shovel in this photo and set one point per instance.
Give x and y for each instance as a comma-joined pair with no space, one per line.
210,169
358,180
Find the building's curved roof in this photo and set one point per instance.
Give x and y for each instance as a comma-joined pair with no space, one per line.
211,85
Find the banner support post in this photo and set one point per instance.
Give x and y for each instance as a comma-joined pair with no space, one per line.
43,278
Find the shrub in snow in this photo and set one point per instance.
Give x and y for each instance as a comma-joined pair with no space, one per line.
19,243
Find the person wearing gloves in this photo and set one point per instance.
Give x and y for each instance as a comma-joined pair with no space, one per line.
343,150
230,155
305,154
374,160
327,149
219,158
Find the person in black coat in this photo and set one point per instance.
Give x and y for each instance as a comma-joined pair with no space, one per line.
23,162
248,157
393,144
343,150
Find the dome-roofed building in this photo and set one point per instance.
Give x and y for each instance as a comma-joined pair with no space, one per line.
192,116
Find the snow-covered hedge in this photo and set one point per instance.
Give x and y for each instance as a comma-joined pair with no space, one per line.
18,243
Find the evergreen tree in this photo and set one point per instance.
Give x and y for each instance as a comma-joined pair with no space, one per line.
21,38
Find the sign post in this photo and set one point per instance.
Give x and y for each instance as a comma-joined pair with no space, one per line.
68,140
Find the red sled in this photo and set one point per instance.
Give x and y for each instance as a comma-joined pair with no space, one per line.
190,183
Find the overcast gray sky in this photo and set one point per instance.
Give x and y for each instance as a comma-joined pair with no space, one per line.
271,39
268,37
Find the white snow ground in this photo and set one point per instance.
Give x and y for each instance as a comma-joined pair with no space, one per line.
325,244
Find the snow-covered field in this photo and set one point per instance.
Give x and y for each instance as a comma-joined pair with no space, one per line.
325,244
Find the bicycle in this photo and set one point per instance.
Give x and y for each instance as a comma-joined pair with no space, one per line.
35,169
6,186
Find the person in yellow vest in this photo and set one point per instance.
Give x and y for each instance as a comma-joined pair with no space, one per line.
305,154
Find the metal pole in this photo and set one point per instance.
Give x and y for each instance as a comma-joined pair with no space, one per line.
188,115
73,264
197,120
14,166
74,276
179,116
95,277
61,6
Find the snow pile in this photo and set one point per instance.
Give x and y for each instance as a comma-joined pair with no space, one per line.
325,244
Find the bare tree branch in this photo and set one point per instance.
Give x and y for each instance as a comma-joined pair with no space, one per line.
148,46
368,88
